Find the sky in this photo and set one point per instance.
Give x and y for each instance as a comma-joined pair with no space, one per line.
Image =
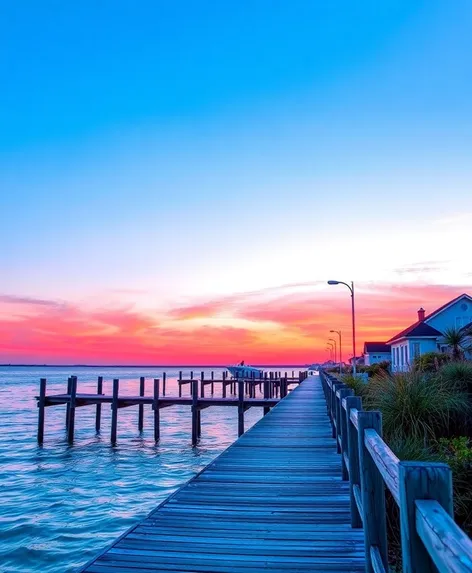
178,180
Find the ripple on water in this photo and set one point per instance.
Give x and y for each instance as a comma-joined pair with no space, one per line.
62,504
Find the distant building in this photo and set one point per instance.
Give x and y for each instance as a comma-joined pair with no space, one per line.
375,352
426,334
359,361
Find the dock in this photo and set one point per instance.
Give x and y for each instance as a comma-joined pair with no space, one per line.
264,392
275,500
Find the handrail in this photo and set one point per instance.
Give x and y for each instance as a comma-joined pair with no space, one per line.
385,460
423,491
449,547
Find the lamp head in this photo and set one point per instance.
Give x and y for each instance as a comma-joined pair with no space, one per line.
333,282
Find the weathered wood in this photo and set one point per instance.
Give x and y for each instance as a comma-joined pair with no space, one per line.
202,384
376,560
142,382
386,461
155,407
448,546
241,408
420,481
194,412
164,379
343,394
41,402
71,426
69,384
114,410
373,492
212,383
273,501
180,385
98,411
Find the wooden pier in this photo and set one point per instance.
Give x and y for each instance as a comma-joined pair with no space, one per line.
275,500
243,395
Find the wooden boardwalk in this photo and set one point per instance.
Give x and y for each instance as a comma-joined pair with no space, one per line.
274,500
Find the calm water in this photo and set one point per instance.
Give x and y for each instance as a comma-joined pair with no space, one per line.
60,504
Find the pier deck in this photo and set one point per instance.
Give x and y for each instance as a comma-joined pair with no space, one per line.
274,500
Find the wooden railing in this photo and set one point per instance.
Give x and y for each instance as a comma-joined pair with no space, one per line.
430,539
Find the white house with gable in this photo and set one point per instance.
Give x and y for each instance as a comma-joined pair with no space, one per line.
426,334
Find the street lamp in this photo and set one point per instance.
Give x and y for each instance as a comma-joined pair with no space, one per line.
330,350
335,349
330,345
338,332
351,288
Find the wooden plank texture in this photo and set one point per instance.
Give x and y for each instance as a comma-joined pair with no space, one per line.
275,500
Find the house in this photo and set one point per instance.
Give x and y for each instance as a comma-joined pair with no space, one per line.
426,334
375,352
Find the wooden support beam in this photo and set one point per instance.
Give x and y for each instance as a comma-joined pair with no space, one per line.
164,378
155,407
73,392
372,493
353,402
114,410
69,384
194,412
266,395
212,383
142,382
180,385
241,408
98,411
420,481
41,401
202,384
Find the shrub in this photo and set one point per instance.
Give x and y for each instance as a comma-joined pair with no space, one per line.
415,405
430,361
358,384
459,373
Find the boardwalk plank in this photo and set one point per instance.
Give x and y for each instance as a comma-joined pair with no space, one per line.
273,501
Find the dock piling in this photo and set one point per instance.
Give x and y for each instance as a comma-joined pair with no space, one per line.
41,402
142,382
98,411
164,378
73,392
114,410
241,408
155,407
194,388
69,383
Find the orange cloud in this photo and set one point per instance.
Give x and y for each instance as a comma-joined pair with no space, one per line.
280,326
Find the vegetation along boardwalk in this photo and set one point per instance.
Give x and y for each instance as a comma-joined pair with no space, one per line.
274,500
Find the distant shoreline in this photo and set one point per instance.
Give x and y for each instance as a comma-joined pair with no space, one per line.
144,366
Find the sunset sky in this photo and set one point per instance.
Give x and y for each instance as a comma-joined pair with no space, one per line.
178,180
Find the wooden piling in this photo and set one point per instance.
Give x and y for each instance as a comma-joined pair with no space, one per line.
41,402
202,384
241,408
212,383
69,385
155,407
223,390
98,411
194,387
266,409
164,379
114,410
142,382
73,392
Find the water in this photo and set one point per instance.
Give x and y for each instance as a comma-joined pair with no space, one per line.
61,504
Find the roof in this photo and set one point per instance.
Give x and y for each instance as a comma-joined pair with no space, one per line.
420,328
370,347
450,303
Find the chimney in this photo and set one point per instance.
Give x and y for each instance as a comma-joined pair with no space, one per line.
421,313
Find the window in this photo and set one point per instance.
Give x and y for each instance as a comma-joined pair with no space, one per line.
416,349
406,354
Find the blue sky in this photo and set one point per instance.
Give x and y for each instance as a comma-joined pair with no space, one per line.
189,149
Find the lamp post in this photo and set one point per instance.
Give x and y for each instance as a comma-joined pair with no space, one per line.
338,332
335,349
330,350
351,288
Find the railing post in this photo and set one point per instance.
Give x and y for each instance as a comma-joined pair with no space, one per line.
353,403
98,411
343,393
420,481
337,413
336,387
73,393
372,493
114,410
